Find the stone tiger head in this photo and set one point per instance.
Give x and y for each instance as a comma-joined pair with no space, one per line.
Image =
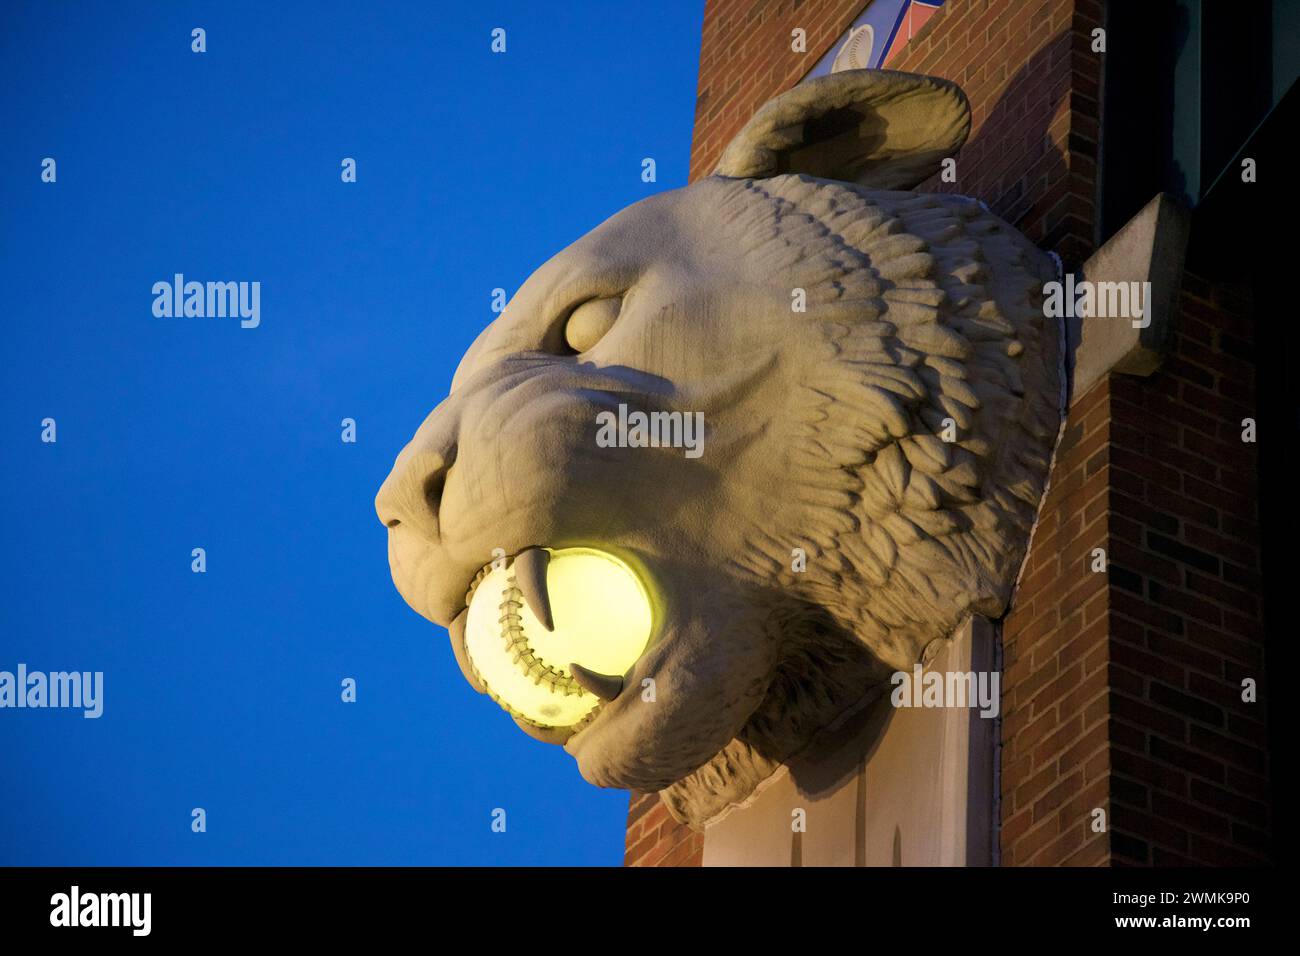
879,397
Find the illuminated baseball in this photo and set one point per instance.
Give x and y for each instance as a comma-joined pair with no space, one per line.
552,632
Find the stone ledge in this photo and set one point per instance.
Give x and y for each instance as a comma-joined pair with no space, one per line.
1149,248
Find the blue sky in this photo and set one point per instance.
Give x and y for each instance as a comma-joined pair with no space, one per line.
222,689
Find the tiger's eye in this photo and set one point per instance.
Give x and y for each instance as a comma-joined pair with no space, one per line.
590,321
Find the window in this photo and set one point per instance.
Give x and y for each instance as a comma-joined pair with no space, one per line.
1186,84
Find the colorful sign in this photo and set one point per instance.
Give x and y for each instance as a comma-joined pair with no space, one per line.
877,35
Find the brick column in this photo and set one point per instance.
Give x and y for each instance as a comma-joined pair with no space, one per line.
655,839
1189,756
1123,689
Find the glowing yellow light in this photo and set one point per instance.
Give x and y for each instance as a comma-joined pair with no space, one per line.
602,617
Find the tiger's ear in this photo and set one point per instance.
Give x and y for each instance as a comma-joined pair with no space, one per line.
877,128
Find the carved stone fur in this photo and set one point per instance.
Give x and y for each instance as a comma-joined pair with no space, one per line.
880,395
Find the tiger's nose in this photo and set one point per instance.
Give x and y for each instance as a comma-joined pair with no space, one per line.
411,495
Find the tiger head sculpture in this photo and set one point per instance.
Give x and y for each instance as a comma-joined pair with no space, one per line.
878,393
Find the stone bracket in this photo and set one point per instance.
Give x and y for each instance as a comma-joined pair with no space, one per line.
1150,247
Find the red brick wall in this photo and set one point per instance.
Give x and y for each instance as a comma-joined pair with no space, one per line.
1189,757
1027,69
1033,85
654,839
745,60
1122,691
1056,659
